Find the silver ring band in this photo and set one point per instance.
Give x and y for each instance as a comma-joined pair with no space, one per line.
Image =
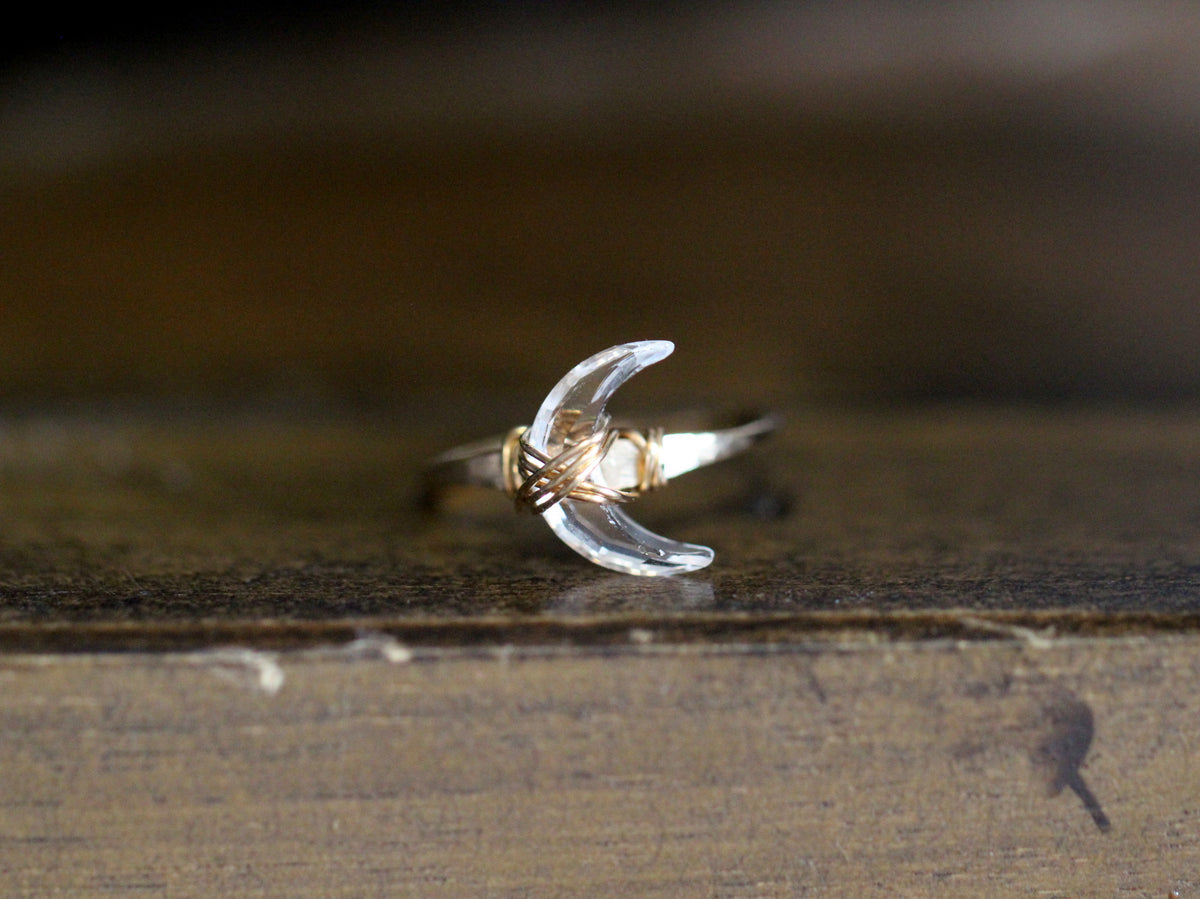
633,462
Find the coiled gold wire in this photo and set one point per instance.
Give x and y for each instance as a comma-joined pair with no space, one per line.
537,481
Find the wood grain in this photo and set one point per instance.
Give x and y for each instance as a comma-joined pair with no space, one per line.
367,769
148,517
955,656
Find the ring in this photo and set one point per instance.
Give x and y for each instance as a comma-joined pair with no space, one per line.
577,472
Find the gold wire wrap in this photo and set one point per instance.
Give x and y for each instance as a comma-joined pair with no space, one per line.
650,464
536,481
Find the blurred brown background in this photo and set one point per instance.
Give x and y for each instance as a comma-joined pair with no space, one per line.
378,204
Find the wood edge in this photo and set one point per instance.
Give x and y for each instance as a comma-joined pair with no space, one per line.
594,632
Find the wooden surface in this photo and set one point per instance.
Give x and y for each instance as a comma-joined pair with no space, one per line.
120,519
954,654
1020,766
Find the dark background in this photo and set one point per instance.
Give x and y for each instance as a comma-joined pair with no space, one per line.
378,204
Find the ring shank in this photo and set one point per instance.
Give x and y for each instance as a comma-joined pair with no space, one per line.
481,464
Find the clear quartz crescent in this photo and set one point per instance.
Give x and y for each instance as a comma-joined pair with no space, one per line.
605,534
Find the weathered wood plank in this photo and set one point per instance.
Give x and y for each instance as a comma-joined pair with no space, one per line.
934,768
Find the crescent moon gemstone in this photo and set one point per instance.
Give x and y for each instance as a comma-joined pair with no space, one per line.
603,532
579,473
